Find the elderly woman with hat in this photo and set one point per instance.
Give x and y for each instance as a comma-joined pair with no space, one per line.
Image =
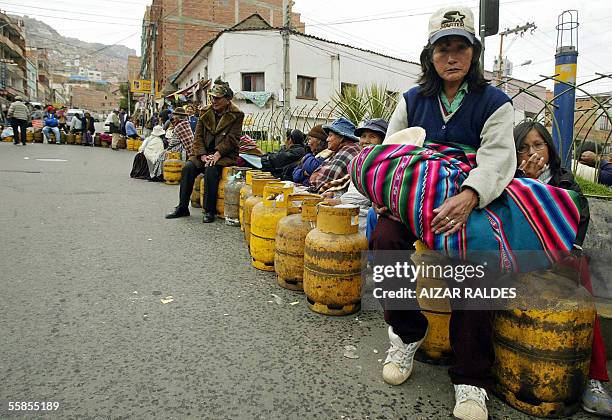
319,153
216,145
455,105
342,141
371,132
180,141
148,153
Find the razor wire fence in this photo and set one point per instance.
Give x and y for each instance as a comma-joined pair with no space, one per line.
592,114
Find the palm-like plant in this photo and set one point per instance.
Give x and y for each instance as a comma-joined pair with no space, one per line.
375,101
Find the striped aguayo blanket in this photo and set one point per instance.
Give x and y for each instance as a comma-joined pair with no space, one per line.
412,181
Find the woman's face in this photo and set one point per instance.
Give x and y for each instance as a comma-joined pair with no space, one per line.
533,144
452,57
369,138
316,145
334,141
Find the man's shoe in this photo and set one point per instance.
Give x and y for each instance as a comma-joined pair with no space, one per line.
208,217
400,359
596,400
470,403
178,212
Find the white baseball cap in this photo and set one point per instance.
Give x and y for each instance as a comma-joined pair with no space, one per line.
455,20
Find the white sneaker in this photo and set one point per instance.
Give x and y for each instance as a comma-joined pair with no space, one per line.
400,358
596,400
470,403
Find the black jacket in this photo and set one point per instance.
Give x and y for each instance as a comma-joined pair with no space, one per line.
281,163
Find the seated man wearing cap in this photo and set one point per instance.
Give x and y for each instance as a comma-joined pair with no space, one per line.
282,162
341,140
216,145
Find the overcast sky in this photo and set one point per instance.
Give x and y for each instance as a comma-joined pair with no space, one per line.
393,27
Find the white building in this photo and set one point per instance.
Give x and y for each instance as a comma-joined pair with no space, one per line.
92,75
250,57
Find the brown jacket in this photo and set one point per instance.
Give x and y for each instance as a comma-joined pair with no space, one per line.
223,138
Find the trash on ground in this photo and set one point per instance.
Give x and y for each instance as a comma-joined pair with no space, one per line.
167,299
277,299
295,303
350,352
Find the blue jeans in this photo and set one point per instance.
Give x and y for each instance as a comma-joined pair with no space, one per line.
55,130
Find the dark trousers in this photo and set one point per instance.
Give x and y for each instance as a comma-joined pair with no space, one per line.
470,331
19,129
212,175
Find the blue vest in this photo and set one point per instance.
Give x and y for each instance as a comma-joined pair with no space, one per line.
466,123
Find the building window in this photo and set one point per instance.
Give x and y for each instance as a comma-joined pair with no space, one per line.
346,87
604,123
306,87
253,82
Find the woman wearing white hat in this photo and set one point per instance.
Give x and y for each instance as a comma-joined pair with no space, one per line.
149,150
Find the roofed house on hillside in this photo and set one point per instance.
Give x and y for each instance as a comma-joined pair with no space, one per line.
250,57
181,27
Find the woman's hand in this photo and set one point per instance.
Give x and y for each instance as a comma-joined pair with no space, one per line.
534,166
454,212
384,211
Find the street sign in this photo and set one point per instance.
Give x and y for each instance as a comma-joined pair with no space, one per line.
142,86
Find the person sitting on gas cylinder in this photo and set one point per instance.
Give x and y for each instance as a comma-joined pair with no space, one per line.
342,141
130,128
215,147
538,159
282,163
51,124
315,156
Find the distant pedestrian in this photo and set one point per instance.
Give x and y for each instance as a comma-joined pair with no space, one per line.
76,124
122,120
130,129
193,119
115,128
88,129
51,125
61,117
18,116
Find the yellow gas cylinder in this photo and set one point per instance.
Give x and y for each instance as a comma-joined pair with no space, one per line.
172,171
173,155
264,218
70,138
543,345
232,188
130,144
63,137
38,137
77,139
225,173
195,194
97,141
291,234
247,191
29,137
334,261
436,348
247,188
8,139
257,197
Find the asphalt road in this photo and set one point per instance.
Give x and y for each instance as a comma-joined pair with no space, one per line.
86,259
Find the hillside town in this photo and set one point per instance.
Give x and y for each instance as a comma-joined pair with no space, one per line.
275,214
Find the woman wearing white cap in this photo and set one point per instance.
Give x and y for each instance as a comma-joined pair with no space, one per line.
453,103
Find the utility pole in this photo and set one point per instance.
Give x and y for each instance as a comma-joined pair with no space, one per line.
153,38
286,59
518,30
483,31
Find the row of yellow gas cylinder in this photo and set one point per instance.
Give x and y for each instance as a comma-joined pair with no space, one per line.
311,246
133,144
542,346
